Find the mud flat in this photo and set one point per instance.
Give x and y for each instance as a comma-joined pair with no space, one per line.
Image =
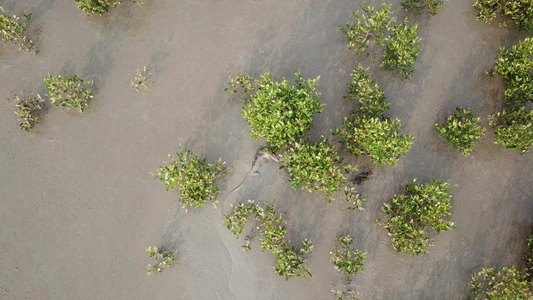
78,205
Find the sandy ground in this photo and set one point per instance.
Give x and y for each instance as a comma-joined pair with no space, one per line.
78,206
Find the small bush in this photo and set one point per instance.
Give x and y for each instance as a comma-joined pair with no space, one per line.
462,130
370,24
28,111
402,49
100,6
277,111
378,138
347,261
68,91
369,131
245,84
370,96
143,79
272,229
163,259
96,6
520,11
515,66
487,9
412,214
355,198
528,257
12,30
194,176
514,129
433,6
507,283
344,295
315,166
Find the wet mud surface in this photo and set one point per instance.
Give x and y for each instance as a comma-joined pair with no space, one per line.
78,205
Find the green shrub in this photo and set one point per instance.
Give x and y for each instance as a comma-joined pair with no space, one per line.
433,6
520,11
355,198
14,31
376,137
272,229
347,261
100,6
528,257
402,49
68,91
413,214
370,24
487,9
514,129
194,176
462,130
245,84
369,131
163,259
290,261
370,96
28,111
507,283
315,167
344,295
143,79
515,66
277,111
95,6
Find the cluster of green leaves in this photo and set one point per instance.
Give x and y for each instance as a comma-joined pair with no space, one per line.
402,46
344,295
412,214
95,6
12,30
369,95
194,176
462,130
520,11
316,166
487,9
378,138
528,257
433,6
272,229
345,260
355,198
163,259
277,111
514,129
245,84
68,91
28,111
369,131
515,66
369,24
402,49
282,114
143,79
507,283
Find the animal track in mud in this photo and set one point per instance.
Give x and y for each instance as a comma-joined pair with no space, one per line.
362,176
256,163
